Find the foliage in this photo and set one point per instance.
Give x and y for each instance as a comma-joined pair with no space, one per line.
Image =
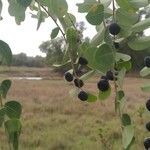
121,24
10,111
23,60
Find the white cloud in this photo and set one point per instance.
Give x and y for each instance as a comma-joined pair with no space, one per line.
25,38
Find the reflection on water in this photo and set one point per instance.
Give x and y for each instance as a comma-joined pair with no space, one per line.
26,78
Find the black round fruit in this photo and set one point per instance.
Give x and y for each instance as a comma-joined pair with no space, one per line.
148,105
103,85
78,83
114,28
83,96
104,77
116,44
147,143
147,61
148,126
110,75
82,61
68,76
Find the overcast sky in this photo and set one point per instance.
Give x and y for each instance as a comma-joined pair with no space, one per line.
25,38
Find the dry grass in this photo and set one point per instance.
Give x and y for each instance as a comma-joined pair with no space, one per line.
52,120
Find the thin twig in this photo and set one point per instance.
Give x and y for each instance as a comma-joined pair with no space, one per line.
63,34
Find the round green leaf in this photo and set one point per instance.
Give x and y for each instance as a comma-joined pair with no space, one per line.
125,18
58,7
96,15
121,56
91,98
104,58
145,72
17,10
13,109
126,120
54,33
85,6
5,53
127,136
5,86
104,95
140,43
24,3
12,125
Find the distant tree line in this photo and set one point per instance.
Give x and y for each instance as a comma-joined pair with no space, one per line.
23,60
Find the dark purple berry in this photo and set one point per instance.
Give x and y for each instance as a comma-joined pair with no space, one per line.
68,76
147,143
103,85
147,61
114,28
148,105
78,83
83,96
82,61
116,44
110,75
104,77
148,126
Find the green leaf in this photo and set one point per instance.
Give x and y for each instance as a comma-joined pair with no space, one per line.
140,43
24,3
125,4
13,129
87,75
146,88
13,109
141,26
125,18
126,120
17,10
69,20
91,98
5,86
99,37
2,114
138,3
5,53
57,7
1,6
72,37
54,33
145,72
85,6
121,56
96,15
121,76
39,17
106,3
104,58
120,100
124,64
104,95
127,136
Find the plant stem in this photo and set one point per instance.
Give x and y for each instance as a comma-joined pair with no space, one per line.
63,34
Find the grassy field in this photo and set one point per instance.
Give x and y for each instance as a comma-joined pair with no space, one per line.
52,120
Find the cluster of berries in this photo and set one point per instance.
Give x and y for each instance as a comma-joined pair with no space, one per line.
103,85
147,140
82,95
